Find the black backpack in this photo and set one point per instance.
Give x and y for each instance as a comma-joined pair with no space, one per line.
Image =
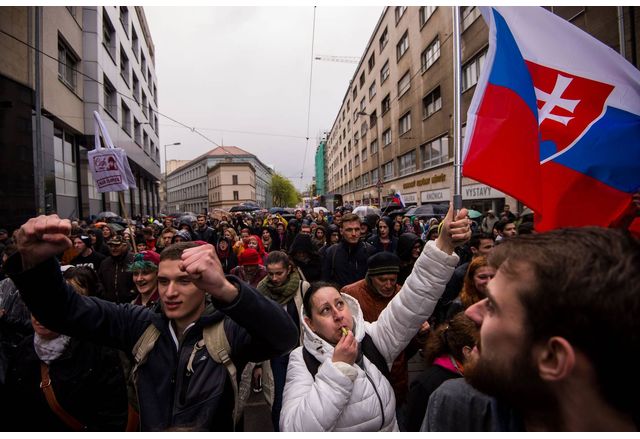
369,350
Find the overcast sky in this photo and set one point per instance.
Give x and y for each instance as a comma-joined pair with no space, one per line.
240,75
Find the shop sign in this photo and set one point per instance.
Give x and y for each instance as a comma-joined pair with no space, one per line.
410,198
480,191
440,195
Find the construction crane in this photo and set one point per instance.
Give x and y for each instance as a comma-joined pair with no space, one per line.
347,59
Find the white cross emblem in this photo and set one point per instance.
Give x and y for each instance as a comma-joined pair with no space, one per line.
555,99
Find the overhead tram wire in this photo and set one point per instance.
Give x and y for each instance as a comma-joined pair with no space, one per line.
313,33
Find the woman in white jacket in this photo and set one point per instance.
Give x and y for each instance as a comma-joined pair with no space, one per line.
348,392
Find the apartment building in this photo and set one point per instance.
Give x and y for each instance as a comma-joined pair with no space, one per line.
89,58
393,131
208,181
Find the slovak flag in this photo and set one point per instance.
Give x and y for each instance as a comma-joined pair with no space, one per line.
555,120
397,199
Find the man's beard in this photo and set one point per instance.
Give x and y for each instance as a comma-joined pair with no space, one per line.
516,383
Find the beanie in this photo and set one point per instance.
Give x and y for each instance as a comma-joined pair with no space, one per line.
249,257
147,260
383,263
86,239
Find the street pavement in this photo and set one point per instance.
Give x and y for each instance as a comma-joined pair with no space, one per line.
257,414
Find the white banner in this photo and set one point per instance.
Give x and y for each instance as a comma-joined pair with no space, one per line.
479,192
109,165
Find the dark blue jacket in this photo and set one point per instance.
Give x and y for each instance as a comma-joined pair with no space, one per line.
344,264
169,396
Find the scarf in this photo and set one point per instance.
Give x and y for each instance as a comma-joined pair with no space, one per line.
49,350
283,293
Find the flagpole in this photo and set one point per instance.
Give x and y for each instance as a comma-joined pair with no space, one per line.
457,165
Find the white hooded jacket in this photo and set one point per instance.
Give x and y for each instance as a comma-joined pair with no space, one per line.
345,397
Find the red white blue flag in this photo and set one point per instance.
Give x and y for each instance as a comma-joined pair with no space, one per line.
397,199
555,120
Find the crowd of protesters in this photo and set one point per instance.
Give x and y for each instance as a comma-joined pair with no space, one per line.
322,312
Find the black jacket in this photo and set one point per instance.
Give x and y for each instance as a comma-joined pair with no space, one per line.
88,382
344,264
207,235
169,396
116,280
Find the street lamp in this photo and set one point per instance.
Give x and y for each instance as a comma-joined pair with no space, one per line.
166,192
379,183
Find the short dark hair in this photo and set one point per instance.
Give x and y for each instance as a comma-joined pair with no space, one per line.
313,288
475,239
349,217
585,288
277,257
86,279
174,251
500,225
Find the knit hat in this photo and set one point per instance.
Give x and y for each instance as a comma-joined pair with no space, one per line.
86,240
249,257
147,260
383,263
116,240
186,236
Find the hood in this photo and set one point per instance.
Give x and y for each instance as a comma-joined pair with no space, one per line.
261,250
333,228
405,243
302,242
371,220
322,349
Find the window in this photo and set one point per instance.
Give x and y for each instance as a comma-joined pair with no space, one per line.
355,114
355,93
384,72
108,35
124,66
425,13
403,45
400,10
362,79
374,146
471,71
124,18
234,179
137,131
350,165
143,63
386,137
109,97
363,129
67,64
430,54
435,152
384,39
364,154
373,119
404,83
374,176
372,61
135,43
372,90
469,15
136,88
431,102
362,104
236,195
407,163
356,159
405,123
385,104
145,106
126,118
65,163
155,94
156,127
358,182
387,170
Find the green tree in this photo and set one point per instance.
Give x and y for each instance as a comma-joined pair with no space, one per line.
283,192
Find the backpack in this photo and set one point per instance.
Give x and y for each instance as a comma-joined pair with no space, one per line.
213,338
369,350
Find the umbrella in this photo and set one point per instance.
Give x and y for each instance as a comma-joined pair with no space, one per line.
279,210
363,211
244,208
107,215
219,213
473,214
320,208
187,218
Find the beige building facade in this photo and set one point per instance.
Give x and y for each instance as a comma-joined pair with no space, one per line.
231,184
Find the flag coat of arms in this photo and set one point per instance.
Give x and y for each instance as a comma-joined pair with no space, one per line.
554,120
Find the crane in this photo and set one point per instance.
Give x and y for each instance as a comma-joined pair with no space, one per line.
346,59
